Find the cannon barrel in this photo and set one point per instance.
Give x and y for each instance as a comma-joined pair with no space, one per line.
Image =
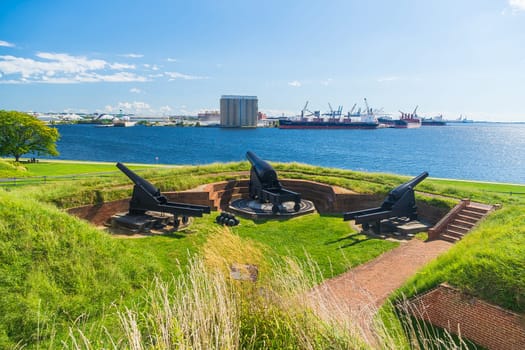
401,189
265,172
137,180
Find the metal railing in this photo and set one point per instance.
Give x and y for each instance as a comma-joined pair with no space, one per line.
39,180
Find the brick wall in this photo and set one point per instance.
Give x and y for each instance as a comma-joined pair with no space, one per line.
487,325
327,199
100,213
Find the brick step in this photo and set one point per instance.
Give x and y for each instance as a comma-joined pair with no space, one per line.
472,214
482,211
457,228
454,233
462,223
480,207
448,238
466,218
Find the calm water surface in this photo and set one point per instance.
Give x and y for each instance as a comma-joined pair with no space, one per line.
487,152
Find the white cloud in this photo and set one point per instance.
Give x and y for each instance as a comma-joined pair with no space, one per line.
165,109
278,112
177,75
6,44
61,68
122,66
172,60
327,81
153,67
295,83
135,90
133,55
517,5
135,106
138,107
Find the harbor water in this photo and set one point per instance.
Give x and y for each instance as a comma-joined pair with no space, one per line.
477,151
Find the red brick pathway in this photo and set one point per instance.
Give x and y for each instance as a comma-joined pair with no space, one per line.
355,295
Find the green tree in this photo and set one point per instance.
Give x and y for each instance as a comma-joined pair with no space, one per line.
21,133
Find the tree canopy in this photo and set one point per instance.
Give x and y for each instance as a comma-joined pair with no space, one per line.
21,133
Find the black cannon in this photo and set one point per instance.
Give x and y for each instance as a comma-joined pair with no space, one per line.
400,202
147,197
266,188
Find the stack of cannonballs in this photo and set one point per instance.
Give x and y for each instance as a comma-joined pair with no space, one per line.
227,219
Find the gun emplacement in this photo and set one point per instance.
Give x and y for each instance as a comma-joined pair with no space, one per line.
147,197
400,202
265,186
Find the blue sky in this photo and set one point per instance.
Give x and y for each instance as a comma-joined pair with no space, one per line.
155,57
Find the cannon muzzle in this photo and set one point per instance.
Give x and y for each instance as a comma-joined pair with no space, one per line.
398,192
264,171
137,180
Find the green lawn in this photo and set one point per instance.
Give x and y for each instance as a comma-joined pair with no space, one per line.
327,240
57,168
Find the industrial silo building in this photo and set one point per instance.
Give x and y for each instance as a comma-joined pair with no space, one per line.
239,111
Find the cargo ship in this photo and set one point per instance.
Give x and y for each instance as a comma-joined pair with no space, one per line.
334,120
434,121
365,122
405,121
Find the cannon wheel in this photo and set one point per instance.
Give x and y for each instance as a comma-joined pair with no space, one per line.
365,226
297,206
275,209
185,220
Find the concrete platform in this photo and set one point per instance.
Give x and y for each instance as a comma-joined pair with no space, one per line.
252,209
403,226
149,223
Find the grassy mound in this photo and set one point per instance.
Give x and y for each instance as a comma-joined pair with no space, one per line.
54,268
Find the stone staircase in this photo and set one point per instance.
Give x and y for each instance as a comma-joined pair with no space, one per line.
459,221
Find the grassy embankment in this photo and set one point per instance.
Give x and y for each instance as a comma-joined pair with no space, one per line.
42,273
46,251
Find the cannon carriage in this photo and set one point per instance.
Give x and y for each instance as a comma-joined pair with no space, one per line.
265,186
400,203
146,200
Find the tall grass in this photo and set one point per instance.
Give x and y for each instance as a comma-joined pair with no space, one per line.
204,308
54,267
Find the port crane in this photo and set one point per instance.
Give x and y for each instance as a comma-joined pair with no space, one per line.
334,113
408,115
304,109
368,109
349,114
310,113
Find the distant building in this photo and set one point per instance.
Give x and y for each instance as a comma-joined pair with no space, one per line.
239,111
209,116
